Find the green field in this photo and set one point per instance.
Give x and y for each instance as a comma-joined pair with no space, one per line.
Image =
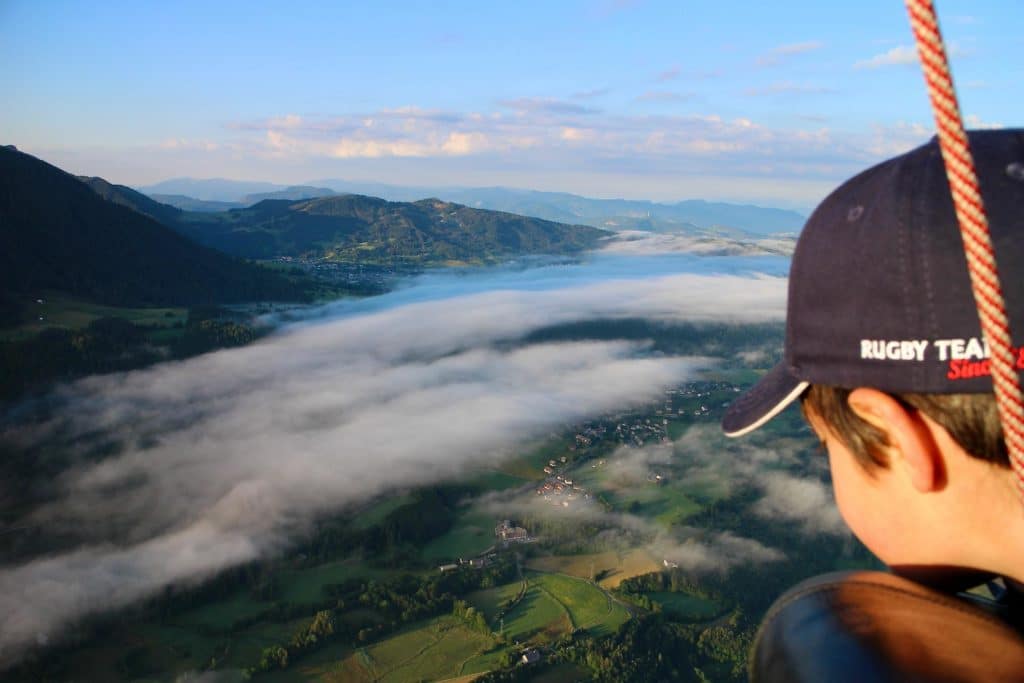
437,649
588,606
537,618
554,604
614,566
58,310
489,601
472,533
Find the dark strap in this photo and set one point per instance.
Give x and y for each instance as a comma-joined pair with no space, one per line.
871,626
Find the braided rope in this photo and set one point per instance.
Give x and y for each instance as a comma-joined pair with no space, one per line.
970,212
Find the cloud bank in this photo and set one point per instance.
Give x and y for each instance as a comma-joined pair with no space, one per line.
229,456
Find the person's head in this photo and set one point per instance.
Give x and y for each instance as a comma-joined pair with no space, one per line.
884,350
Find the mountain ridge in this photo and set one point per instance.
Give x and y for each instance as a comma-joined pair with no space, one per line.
349,227
58,233
688,215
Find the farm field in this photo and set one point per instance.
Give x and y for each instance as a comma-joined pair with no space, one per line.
435,650
588,606
191,639
614,566
58,310
489,600
537,618
472,533
554,604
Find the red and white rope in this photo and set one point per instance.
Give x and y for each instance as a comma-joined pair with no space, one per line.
970,212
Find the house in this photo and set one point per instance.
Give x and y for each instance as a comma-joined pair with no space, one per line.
447,567
505,531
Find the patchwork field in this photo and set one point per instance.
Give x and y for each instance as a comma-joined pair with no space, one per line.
588,607
553,605
436,650
613,567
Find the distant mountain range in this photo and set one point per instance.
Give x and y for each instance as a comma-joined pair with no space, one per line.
110,244
357,228
210,189
114,245
368,229
689,216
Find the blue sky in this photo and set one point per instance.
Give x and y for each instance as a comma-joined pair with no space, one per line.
765,102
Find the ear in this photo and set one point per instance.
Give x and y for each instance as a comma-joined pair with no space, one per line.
912,445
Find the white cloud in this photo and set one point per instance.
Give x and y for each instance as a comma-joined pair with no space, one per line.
639,242
975,121
778,54
229,455
897,56
902,55
807,502
888,141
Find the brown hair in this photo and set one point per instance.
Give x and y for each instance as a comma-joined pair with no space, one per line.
971,419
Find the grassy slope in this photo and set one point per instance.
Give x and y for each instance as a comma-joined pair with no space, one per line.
615,566
432,650
472,533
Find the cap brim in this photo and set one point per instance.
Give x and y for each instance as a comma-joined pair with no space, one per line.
763,401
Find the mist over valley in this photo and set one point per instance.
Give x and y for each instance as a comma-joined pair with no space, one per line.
168,476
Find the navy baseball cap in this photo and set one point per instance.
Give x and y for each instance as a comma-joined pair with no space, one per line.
879,294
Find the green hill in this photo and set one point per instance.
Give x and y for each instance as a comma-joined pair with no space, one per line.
59,233
367,229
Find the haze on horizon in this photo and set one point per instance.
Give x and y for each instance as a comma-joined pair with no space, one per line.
603,98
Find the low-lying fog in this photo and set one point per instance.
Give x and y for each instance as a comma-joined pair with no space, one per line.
226,456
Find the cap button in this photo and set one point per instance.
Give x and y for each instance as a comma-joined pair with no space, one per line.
1015,170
